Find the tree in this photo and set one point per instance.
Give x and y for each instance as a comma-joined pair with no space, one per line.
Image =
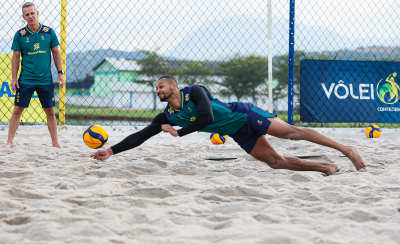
89,78
281,67
195,73
281,73
388,59
152,67
278,91
243,75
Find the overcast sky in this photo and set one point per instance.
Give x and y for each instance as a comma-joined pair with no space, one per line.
148,24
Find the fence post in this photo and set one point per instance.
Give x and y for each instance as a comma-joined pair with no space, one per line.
291,62
63,45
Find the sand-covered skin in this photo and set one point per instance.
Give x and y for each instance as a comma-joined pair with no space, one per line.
162,192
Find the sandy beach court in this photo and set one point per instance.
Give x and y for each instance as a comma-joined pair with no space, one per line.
164,192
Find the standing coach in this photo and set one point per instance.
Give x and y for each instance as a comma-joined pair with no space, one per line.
34,43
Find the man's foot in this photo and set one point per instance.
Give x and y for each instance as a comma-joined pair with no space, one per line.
331,169
356,158
9,144
57,145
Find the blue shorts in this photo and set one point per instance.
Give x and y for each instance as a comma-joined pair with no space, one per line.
257,125
44,92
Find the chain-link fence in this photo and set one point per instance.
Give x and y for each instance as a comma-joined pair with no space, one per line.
116,50
352,62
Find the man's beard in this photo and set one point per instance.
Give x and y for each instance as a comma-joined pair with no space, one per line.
165,97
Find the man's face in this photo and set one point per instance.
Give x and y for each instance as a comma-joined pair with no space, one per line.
164,90
30,15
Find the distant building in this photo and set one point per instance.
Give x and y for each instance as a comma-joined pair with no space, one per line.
114,79
114,86
112,70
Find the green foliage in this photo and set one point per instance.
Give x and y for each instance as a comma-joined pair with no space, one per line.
281,67
279,91
389,59
153,66
382,59
323,57
195,73
281,73
88,78
243,75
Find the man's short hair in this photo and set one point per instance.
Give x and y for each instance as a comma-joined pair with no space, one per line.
27,4
171,80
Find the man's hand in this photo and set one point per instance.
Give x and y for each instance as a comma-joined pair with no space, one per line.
168,128
14,83
60,79
102,154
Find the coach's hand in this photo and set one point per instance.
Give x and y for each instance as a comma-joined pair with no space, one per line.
61,79
14,83
168,128
102,154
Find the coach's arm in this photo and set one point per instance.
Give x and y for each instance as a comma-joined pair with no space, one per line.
58,63
14,69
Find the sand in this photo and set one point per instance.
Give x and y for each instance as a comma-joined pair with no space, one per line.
163,192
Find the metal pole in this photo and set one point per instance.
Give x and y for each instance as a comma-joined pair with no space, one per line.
63,45
271,99
291,62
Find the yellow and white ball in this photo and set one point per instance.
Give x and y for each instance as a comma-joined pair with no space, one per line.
217,138
95,136
373,131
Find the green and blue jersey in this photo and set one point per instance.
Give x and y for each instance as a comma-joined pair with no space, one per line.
35,48
228,117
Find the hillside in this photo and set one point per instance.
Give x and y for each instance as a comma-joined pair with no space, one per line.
223,38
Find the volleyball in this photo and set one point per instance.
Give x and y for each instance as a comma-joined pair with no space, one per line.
95,136
373,131
217,138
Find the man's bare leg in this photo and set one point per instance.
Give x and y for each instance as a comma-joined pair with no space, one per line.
281,129
52,125
263,151
14,124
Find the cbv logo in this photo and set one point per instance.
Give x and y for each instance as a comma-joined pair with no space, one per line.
342,91
388,90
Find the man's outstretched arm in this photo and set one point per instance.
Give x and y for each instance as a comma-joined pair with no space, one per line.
135,139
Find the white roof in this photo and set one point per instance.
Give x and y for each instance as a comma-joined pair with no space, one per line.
124,64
